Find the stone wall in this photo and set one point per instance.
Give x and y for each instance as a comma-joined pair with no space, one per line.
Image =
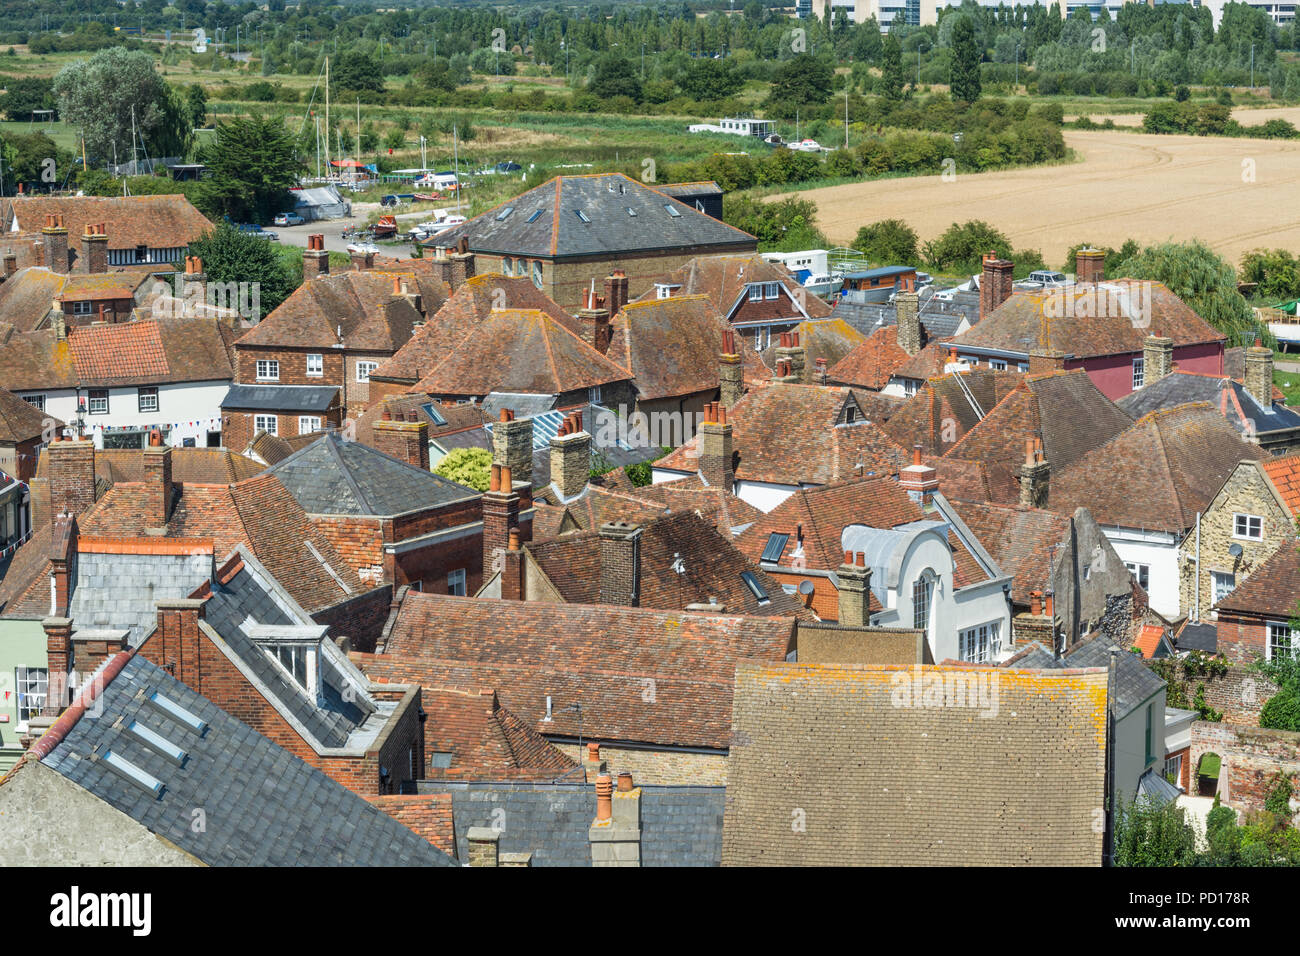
1239,694
662,767
1252,758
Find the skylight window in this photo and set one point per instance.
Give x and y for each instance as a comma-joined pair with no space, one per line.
631,212
435,416
177,712
775,545
157,741
672,211
755,588
581,215
504,214
131,772
536,214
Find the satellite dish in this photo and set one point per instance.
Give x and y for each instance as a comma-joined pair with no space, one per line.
1235,550
805,588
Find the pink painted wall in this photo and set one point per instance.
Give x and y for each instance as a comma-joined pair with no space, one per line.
1113,374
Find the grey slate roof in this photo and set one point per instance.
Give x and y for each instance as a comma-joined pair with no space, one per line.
335,476
604,201
938,322
280,398
118,591
249,598
1198,637
1134,681
263,806
1179,388
680,826
1155,789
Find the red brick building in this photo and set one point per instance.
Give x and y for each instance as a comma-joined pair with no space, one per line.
1256,619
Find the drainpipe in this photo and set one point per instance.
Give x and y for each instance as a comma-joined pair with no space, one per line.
1197,615
1108,837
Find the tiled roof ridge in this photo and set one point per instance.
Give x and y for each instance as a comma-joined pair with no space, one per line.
124,544
407,658
94,687
332,443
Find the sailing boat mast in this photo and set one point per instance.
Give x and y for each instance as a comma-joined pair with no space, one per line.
455,152
327,117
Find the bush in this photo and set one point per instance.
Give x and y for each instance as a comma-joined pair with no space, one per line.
961,248
890,241
1281,712
471,467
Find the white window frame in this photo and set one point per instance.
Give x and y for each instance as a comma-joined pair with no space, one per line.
1273,631
998,365
364,368
91,401
1140,571
1217,580
762,337
926,583
140,396
1139,372
539,277
756,292
308,424
83,307
33,682
593,395
507,265
36,401
1174,768
268,370
260,423
456,582
1243,518
771,290
981,644
315,364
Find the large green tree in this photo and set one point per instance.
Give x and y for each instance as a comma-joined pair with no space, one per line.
892,76
888,242
113,93
356,72
614,75
251,163
966,56
230,255
799,83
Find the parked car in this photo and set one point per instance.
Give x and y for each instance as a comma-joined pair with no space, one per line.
289,219
268,236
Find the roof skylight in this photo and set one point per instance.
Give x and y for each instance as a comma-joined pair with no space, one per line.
177,712
157,741
131,772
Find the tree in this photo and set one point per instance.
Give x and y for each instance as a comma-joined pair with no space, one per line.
779,226
471,467
889,242
196,106
1282,710
799,82
113,93
966,61
711,80
892,76
24,95
230,255
252,163
1275,273
961,248
25,156
613,76
1150,835
356,72
1201,278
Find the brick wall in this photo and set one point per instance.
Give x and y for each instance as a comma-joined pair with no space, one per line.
359,539
429,815
238,428
293,365
564,281
1251,760
361,618
663,767
1239,694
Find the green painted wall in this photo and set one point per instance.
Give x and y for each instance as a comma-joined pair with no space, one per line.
22,644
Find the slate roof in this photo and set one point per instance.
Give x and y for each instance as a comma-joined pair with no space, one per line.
19,421
336,476
1198,637
118,581
159,222
358,310
1158,473
1232,400
793,434
143,352
1135,683
669,346
605,228
1065,409
1272,590
1234,367
884,784
281,398
680,826
263,806
710,569
939,320
519,350
599,656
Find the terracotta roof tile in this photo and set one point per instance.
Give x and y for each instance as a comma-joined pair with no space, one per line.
19,421
160,222
670,346
1284,472
1273,590
873,363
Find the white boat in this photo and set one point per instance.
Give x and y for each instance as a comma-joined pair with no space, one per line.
806,146
363,248
823,283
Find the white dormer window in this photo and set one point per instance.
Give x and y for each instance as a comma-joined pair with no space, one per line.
300,661
756,292
771,290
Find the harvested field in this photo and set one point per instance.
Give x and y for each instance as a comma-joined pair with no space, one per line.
1150,188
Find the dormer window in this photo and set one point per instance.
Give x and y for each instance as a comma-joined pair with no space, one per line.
664,290
756,292
294,658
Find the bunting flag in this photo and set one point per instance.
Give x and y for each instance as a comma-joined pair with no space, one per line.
5,552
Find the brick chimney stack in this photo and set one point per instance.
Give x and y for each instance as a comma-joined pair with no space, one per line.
731,371
71,475
1034,624
11,263
854,589
315,260
1259,374
501,515
570,457
58,626
1034,475
1045,359
94,247
512,445
794,355
362,261
512,568
158,482
405,437
55,236
179,640
462,264
620,564
615,293
1157,357
995,283
194,282
716,454
920,480
1089,265
907,308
